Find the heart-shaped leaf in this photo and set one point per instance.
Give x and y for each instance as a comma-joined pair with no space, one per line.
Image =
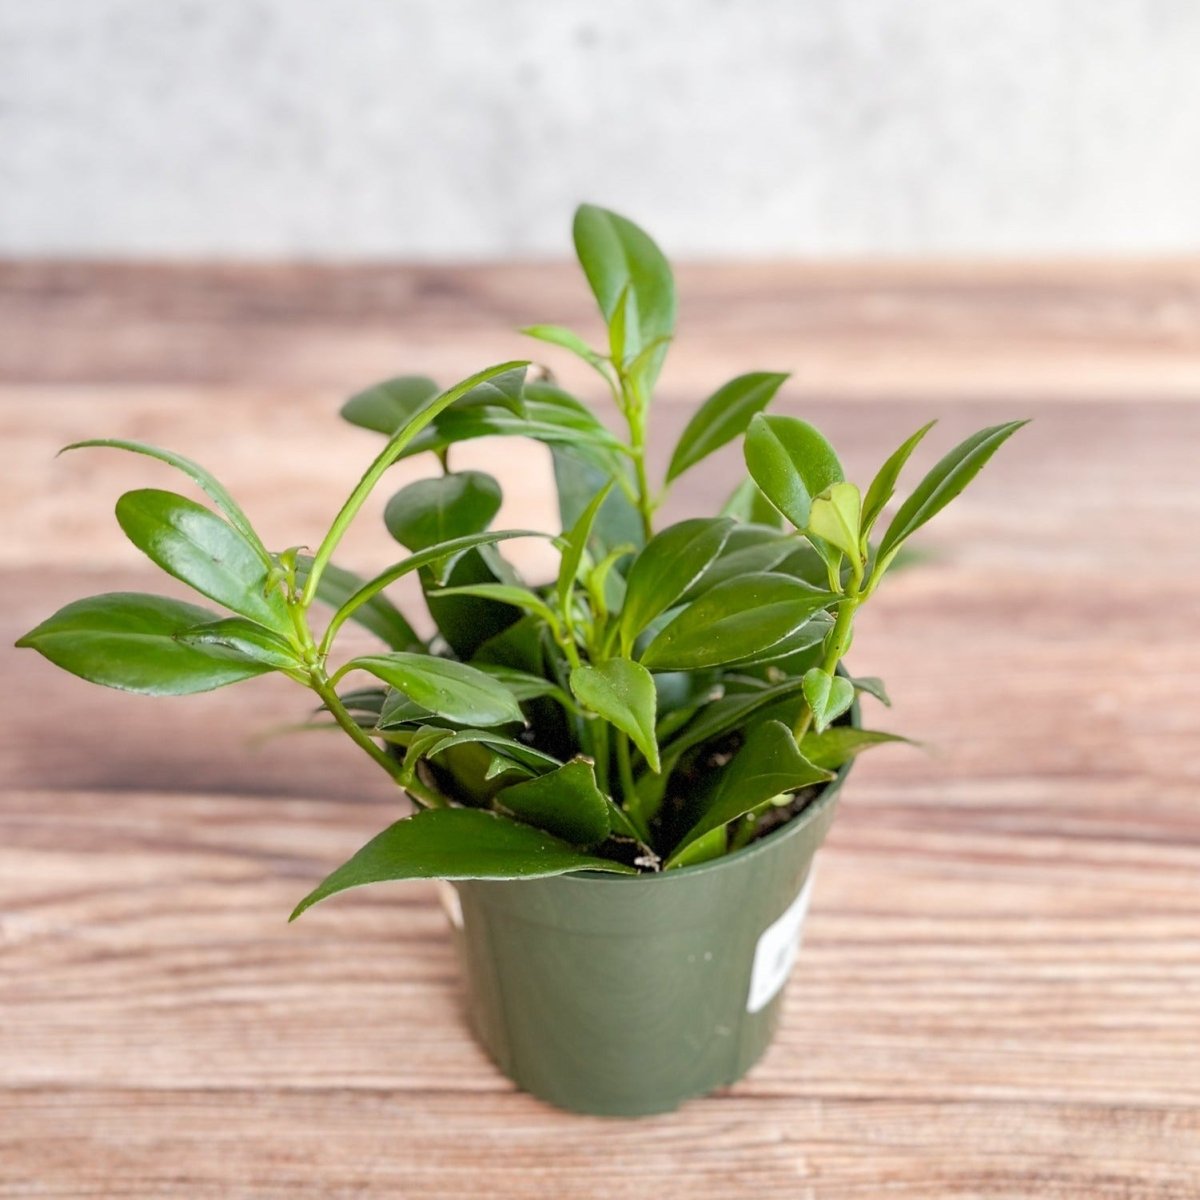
943,483
387,406
768,765
458,843
565,802
450,689
130,641
828,696
791,462
622,692
192,543
722,417
429,512
733,621
670,563
621,260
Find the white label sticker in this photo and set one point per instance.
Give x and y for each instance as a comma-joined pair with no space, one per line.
776,951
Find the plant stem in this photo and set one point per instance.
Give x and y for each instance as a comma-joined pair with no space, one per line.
625,768
835,648
329,697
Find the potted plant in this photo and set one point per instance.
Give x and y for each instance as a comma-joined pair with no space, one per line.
625,771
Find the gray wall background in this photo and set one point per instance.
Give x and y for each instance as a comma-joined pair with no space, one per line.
469,128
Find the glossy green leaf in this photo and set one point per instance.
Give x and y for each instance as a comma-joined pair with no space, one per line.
527,756
828,696
713,844
502,593
241,640
734,620
791,462
883,486
622,692
429,512
207,482
196,546
617,257
749,550
457,843
669,564
130,641
523,685
376,613
450,689
575,543
835,518
386,407
768,765
840,743
565,802
947,480
722,417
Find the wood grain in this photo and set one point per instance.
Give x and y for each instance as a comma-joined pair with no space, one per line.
999,992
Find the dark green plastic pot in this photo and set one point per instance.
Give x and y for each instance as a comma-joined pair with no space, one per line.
627,995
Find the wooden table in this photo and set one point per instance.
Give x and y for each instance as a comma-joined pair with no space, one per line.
999,993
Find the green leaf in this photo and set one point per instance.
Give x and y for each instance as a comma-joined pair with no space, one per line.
196,546
671,562
207,482
883,486
577,480
503,593
387,406
842,742
748,505
450,689
622,692
526,756
243,641
523,685
396,446
791,462
552,416
458,843
568,339
828,696
429,512
617,257
566,802
575,543
340,589
943,484
714,844
722,417
768,765
835,518
130,641
733,621
749,550
505,390
872,686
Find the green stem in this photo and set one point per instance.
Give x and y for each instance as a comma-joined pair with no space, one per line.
599,741
625,768
329,697
835,648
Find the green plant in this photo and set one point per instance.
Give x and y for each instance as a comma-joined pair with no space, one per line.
671,695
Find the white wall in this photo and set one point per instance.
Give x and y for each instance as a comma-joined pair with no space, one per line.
469,128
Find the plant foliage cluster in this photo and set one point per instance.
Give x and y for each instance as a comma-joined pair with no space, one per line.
672,694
